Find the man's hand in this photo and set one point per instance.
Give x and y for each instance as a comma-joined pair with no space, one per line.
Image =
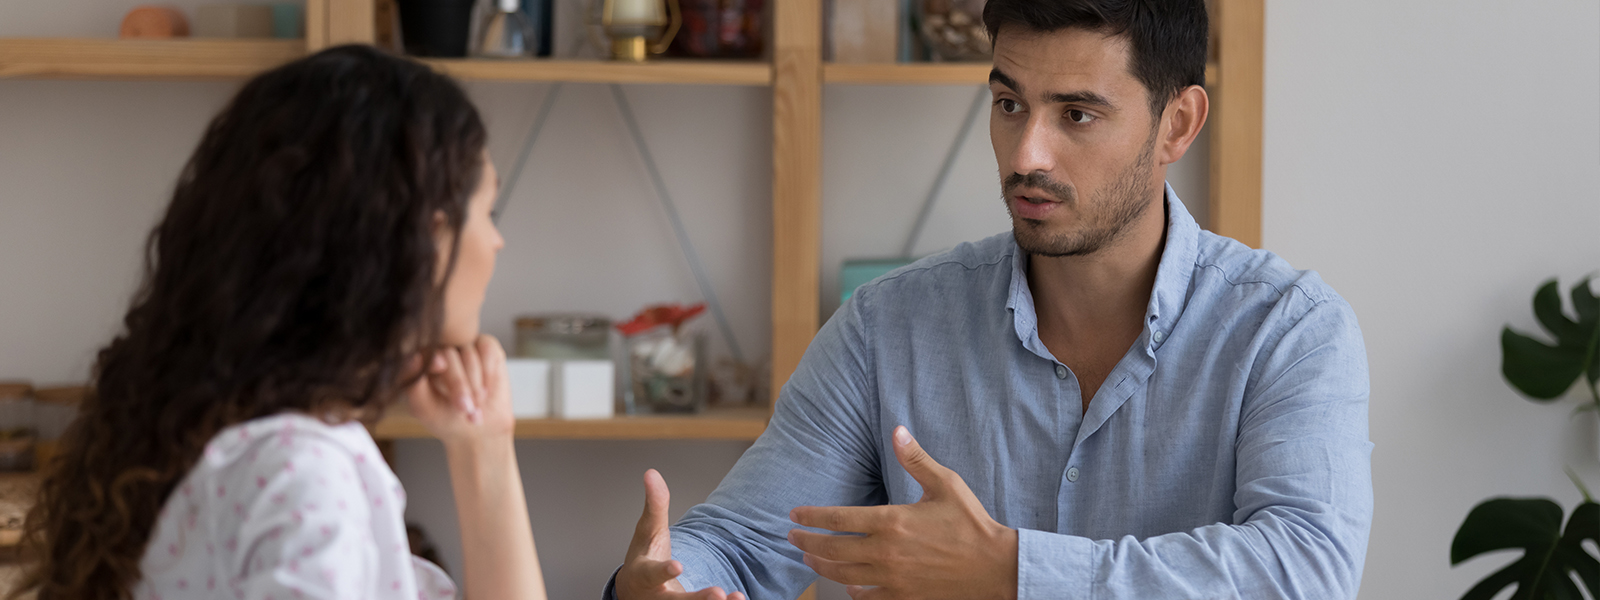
650,573
944,546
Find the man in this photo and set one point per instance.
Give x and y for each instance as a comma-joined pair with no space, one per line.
1106,402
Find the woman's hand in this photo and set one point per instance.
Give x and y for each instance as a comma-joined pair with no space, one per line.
464,397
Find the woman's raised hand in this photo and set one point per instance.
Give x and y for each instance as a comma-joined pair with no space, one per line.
464,396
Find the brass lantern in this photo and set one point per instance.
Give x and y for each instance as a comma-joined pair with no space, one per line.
639,28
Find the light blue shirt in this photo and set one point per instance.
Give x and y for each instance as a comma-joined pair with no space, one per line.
1225,456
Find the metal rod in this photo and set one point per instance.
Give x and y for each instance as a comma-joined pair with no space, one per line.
539,120
979,100
677,223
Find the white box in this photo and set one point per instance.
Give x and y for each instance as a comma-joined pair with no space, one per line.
584,389
530,387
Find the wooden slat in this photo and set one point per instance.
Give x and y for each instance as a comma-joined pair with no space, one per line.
923,73
316,25
907,73
595,71
796,182
351,22
88,58
1236,122
724,424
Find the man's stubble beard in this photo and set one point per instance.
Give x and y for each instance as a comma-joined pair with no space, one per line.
1123,202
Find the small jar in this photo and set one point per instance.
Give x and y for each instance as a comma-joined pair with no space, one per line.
666,372
56,408
564,337
953,30
17,426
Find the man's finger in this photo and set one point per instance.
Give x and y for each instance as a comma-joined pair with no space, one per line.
864,592
843,519
932,475
848,548
847,573
653,522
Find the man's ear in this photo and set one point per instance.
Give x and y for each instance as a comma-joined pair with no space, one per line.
1181,123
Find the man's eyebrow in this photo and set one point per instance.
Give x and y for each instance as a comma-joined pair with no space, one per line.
1082,98
995,76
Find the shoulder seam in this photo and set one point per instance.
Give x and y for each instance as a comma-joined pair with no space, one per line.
1315,301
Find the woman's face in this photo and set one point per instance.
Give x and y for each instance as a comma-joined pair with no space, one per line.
480,241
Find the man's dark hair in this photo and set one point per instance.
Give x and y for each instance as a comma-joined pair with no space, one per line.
1167,38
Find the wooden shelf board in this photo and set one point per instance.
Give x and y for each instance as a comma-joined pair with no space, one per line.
89,58
925,73
907,73
717,424
597,71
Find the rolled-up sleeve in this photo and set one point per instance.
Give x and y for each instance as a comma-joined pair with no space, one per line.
818,450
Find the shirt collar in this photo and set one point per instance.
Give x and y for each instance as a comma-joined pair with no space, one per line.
1167,298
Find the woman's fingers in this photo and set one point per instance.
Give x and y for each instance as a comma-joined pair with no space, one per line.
473,365
455,381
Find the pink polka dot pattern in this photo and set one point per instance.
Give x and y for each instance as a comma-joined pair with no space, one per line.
300,510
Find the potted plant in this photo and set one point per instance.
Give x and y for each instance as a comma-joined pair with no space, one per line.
1554,562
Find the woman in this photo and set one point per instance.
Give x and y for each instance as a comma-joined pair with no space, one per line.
325,255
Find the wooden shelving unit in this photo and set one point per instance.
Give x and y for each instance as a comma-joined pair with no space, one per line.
745,424
924,73
89,58
595,71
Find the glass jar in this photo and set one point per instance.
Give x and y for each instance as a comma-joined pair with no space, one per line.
17,426
952,30
719,29
666,372
564,337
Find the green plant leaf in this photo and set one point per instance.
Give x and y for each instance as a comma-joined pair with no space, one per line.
1547,309
1538,370
1550,556
1585,303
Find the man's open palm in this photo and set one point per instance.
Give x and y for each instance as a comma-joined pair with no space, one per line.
944,546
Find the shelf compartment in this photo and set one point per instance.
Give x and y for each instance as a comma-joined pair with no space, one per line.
745,424
597,71
925,73
88,58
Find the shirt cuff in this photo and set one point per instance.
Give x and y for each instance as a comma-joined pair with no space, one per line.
1052,565
611,587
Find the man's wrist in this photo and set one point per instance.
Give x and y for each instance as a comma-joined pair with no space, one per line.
1006,547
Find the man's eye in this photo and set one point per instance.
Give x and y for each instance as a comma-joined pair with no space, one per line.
1079,117
1009,106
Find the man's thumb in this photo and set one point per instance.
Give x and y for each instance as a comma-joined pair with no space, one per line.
917,462
654,519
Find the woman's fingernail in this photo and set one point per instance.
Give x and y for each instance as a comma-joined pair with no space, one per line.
438,362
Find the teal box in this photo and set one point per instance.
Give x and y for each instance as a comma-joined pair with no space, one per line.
858,272
288,21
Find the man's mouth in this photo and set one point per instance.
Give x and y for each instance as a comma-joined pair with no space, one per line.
1035,200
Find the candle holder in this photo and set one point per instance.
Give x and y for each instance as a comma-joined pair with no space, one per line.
638,28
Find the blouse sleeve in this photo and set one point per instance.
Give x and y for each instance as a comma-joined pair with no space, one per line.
308,533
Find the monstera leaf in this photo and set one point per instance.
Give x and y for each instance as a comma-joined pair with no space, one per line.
1544,371
1550,557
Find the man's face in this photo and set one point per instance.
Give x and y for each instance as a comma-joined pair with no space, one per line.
1074,139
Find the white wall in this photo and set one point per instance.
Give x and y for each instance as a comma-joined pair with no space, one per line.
1436,161
1432,160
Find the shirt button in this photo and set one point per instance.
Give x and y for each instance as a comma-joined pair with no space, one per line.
1158,336
1072,474
1061,372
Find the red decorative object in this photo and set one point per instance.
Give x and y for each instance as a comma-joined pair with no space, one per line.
651,317
719,29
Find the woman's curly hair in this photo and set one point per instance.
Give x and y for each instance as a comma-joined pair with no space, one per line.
296,269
